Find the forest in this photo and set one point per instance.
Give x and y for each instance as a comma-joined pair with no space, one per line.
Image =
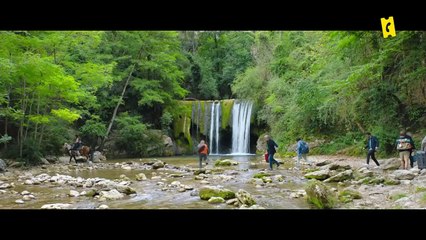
122,89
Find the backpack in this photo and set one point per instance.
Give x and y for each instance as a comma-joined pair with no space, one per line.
403,144
304,147
200,149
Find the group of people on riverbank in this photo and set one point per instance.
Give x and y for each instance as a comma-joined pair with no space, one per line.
404,145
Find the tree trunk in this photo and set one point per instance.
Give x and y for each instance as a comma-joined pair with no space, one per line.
360,127
38,112
29,112
41,134
6,117
21,125
114,114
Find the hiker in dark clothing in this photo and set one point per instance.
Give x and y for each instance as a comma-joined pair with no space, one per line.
271,145
410,135
372,146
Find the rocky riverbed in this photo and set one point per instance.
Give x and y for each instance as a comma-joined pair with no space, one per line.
227,182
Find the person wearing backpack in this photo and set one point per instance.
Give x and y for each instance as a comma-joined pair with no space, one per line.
203,150
404,145
372,146
302,149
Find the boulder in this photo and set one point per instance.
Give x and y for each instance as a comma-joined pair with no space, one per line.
232,201
319,175
323,163
340,177
158,164
2,165
98,157
56,206
391,164
141,177
216,200
26,198
125,189
403,175
320,195
364,172
168,146
348,194
226,162
245,198
25,192
207,192
44,161
111,195
338,167
73,193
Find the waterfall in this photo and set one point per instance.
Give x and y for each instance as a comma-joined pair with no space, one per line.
214,128
241,114
217,126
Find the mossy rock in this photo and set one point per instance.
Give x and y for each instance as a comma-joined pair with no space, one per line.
420,189
222,163
320,195
366,180
226,109
340,177
349,193
261,175
125,189
245,197
345,199
225,163
207,193
308,170
377,180
199,171
398,196
338,167
390,181
319,175
91,193
363,174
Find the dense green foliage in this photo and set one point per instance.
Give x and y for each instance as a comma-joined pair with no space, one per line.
338,85
125,85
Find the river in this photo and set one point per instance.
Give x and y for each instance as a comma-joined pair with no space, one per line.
150,194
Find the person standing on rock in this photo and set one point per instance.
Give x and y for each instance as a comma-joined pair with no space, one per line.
270,146
404,145
372,146
423,148
202,152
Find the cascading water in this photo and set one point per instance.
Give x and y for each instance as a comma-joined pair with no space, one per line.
241,114
214,128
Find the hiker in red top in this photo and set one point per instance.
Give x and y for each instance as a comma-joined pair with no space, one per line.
203,151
